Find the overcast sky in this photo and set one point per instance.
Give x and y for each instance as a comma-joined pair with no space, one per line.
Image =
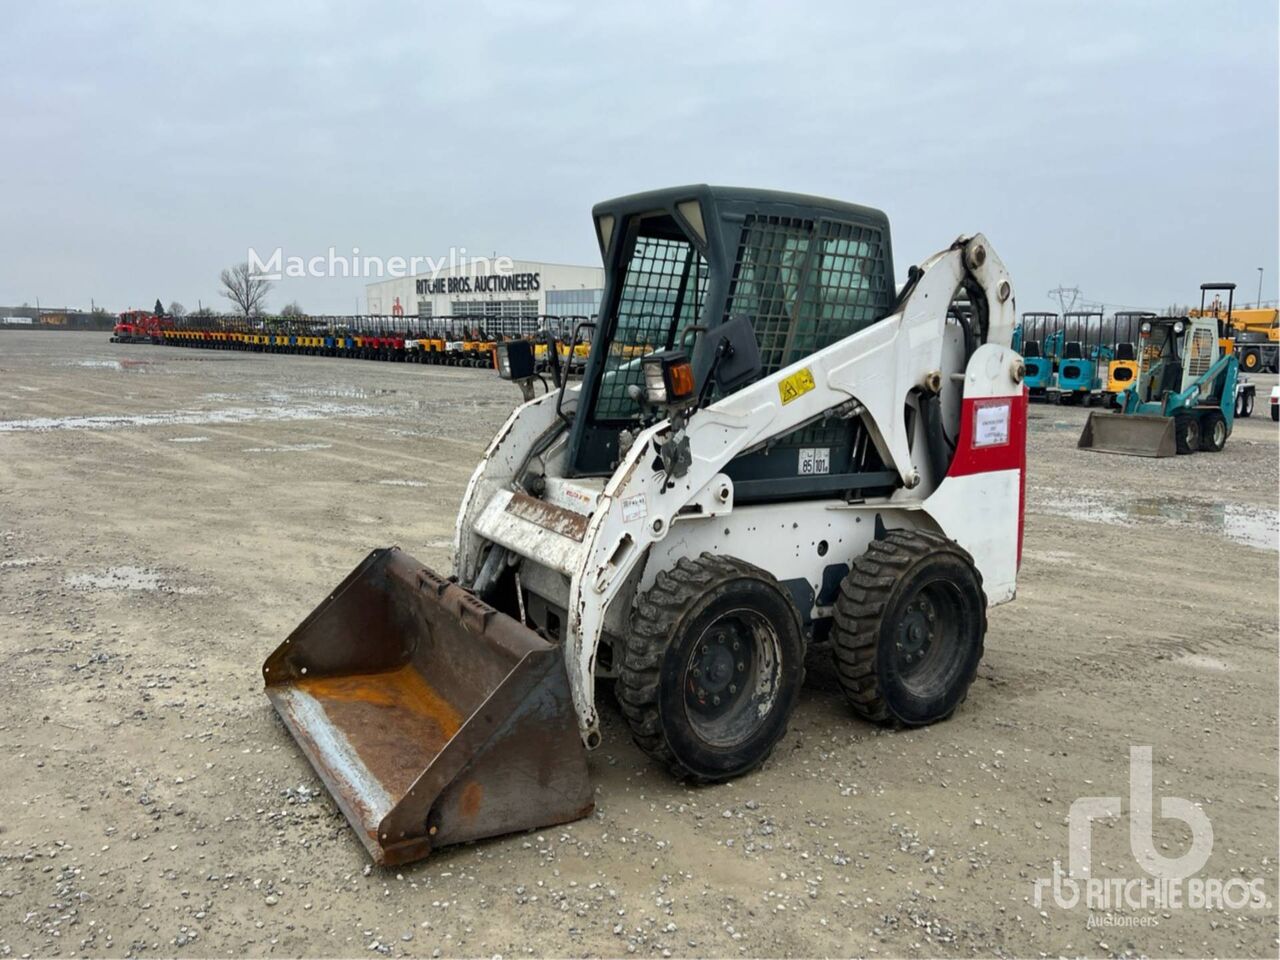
1128,148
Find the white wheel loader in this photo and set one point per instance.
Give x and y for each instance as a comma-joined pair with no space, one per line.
769,449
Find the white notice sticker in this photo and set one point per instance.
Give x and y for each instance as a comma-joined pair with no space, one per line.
991,424
814,460
634,508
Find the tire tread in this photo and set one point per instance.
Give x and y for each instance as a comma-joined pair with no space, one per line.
864,594
660,610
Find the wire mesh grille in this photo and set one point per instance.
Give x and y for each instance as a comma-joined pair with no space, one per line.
767,278
805,289
1200,358
661,295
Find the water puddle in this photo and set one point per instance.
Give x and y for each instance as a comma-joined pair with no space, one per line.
188,439
289,448
1240,523
19,562
125,578
134,365
1199,662
344,392
403,483
195,418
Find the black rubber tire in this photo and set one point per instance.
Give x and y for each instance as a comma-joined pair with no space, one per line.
655,676
1186,432
1275,412
874,599
1248,404
1213,432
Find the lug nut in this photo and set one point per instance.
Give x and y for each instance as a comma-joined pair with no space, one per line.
733,688
741,666
715,701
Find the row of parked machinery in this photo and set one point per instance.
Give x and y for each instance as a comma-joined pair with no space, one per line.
1081,357
448,341
1175,381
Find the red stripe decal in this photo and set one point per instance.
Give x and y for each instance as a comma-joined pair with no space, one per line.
993,436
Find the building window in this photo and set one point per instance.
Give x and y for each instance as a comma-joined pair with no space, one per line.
496,309
424,309
574,303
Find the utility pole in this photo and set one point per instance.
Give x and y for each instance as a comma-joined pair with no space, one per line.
1259,303
1066,297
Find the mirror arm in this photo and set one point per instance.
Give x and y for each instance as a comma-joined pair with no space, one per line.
723,349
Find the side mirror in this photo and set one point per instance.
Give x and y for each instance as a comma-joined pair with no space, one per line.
729,352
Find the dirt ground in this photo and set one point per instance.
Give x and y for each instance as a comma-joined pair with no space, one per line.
167,516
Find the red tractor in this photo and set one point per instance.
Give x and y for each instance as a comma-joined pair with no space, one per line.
140,326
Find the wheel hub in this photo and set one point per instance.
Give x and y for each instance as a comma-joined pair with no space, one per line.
719,666
916,632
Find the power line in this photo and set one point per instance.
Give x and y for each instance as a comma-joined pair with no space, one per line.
1066,297
1070,298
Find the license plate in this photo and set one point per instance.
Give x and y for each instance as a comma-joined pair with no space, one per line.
814,461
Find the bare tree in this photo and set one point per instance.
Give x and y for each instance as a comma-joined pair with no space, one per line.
246,289
177,310
292,309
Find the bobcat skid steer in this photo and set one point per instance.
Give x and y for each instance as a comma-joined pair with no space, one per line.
768,448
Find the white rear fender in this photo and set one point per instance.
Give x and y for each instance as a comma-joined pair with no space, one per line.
981,502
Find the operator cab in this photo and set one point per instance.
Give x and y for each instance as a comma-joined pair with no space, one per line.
709,288
1173,349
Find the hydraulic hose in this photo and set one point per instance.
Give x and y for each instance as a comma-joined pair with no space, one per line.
936,446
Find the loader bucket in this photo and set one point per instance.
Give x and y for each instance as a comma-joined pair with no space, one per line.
1132,434
431,717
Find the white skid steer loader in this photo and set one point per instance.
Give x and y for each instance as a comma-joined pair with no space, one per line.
768,449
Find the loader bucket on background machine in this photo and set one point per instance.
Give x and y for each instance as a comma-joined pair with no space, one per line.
431,717
1132,434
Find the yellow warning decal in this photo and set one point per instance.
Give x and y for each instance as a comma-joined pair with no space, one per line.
795,386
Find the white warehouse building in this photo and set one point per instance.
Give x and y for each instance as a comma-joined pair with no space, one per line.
491,287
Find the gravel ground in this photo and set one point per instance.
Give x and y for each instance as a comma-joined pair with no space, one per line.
167,516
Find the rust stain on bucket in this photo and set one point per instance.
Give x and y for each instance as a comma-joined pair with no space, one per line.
472,795
395,721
